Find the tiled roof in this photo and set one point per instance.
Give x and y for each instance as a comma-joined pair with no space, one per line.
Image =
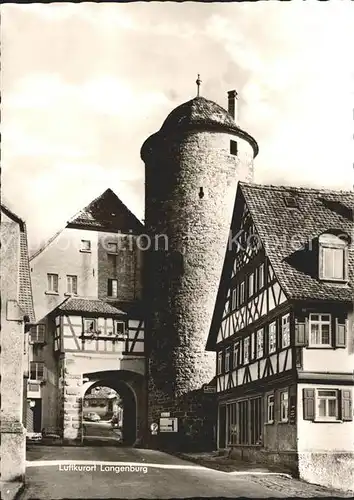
25,285
85,305
25,298
107,212
281,229
199,113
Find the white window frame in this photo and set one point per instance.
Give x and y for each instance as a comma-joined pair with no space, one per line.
242,292
320,397
37,364
285,330
251,285
85,246
52,283
334,244
90,320
119,334
284,406
320,322
219,363
71,279
246,350
234,299
272,337
227,359
37,334
259,345
236,354
270,408
261,276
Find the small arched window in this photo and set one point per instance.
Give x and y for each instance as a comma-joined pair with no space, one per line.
333,257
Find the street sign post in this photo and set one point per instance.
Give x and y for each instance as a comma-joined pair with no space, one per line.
168,424
154,428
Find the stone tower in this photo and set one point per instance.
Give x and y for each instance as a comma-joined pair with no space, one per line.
192,166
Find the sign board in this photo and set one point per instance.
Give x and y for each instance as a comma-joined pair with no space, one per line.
168,424
165,414
209,389
154,428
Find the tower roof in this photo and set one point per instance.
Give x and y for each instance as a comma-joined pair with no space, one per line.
200,113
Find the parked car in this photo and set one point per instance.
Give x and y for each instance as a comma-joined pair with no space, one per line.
92,417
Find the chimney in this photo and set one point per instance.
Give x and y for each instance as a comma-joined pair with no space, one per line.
232,103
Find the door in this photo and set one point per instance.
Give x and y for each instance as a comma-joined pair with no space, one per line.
222,427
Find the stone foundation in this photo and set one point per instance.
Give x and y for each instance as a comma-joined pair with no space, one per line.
333,470
72,404
286,460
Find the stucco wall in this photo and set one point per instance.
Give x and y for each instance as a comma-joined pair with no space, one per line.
12,356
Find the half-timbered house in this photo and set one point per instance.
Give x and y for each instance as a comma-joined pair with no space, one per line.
282,330
87,297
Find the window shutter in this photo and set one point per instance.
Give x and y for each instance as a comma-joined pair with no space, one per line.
341,332
301,332
44,373
110,290
346,400
309,403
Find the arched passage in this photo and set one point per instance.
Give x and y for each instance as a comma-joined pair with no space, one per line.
129,387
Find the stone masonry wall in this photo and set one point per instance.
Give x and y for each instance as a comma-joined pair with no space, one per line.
72,402
125,266
182,280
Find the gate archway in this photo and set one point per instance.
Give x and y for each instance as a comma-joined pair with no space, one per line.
130,387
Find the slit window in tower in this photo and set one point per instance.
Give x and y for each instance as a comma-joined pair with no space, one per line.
233,148
201,193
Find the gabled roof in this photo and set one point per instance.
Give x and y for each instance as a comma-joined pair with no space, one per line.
281,228
107,212
86,305
25,298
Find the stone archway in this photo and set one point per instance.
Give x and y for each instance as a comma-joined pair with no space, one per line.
129,400
131,388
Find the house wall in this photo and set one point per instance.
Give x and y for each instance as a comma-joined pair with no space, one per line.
325,450
63,257
12,356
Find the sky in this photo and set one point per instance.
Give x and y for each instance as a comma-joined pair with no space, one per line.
83,86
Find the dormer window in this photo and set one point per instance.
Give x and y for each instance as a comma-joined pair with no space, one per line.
332,257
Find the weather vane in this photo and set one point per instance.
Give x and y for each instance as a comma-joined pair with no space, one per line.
198,82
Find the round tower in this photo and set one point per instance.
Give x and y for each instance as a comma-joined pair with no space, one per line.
192,166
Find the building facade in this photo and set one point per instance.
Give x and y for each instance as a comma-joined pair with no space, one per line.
192,165
17,314
283,332
90,329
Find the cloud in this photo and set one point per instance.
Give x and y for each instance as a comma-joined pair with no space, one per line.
84,85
